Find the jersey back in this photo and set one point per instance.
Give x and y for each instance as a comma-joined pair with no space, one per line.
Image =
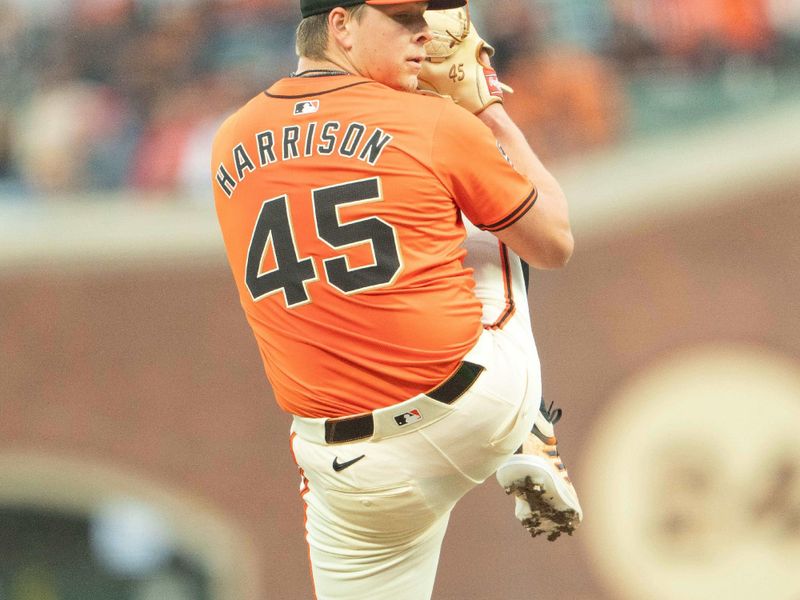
339,203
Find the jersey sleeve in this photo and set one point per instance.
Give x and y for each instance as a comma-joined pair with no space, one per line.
470,163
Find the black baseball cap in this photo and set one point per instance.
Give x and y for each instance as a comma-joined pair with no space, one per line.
316,7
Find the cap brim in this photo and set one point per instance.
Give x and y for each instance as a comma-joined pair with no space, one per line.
445,4
432,4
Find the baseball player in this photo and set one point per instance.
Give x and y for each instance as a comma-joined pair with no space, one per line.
339,193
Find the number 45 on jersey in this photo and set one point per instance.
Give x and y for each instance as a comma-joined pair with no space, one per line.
274,232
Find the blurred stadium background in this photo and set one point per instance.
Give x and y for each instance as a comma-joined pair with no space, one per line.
141,454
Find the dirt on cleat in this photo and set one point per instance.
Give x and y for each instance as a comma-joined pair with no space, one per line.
545,518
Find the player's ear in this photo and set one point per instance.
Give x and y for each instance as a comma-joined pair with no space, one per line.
339,27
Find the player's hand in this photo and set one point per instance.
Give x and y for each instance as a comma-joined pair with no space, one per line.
458,63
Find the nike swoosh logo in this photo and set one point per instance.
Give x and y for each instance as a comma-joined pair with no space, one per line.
337,466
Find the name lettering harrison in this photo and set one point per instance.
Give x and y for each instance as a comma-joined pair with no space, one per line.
295,142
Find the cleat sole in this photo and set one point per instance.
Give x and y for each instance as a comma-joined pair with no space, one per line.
546,519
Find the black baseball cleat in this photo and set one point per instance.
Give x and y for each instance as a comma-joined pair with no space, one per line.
545,499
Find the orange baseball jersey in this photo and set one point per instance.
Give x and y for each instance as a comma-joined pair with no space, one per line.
338,199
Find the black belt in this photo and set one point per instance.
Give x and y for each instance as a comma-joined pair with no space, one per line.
358,427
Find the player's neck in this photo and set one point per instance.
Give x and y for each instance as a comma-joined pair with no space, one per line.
308,65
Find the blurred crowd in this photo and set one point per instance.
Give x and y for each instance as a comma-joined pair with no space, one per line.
100,95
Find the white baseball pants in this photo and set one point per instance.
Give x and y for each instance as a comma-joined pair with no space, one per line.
375,528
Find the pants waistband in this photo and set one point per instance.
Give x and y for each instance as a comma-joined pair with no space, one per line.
392,420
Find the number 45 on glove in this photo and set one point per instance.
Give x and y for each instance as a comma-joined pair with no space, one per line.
454,66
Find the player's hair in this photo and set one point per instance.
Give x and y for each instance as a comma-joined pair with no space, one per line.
312,33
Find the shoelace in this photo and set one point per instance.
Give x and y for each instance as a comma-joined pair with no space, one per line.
551,414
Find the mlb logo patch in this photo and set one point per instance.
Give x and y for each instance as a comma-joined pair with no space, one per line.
409,417
306,107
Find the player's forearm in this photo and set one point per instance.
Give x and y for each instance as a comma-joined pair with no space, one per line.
551,210
523,157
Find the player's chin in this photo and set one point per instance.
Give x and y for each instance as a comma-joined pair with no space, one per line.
404,80
408,83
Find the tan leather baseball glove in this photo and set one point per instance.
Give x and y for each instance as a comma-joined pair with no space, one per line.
454,65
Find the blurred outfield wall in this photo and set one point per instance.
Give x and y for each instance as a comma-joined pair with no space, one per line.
142,456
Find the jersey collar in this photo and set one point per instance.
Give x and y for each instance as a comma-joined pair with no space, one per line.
303,87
